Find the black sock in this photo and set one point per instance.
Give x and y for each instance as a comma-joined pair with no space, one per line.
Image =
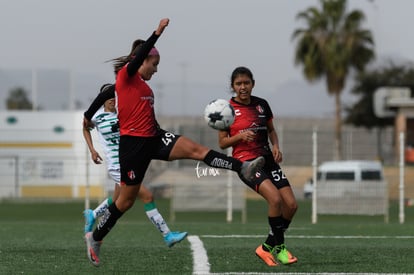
286,224
270,241
219,160
276,224
112,214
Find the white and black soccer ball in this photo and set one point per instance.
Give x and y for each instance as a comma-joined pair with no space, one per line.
219,114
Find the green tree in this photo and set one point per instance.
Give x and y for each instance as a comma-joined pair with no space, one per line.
331,44
18,100
361,113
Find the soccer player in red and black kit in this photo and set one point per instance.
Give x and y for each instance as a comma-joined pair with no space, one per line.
141,138
249,136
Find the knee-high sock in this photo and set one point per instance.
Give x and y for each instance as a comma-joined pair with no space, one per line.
156,218
100,210
108,221
286,224
219,160
276,235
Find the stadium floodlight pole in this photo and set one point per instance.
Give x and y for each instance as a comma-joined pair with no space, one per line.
314,175
184,94
71,106
34,89
401,187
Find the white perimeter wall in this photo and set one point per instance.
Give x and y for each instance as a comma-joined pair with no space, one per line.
45,148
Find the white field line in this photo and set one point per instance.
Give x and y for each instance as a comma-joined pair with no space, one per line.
299,273
201,266
200,258
310,237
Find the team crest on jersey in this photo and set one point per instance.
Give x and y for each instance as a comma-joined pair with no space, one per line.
260,109
131,175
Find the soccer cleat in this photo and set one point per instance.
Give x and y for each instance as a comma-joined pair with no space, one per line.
174,237
266,256
89,220
284,256
249,168
92,249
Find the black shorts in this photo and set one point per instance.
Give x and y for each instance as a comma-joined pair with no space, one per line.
136,153
271,171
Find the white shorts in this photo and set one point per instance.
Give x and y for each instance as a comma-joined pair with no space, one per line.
115,175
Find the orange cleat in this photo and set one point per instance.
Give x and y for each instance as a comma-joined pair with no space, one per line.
266,256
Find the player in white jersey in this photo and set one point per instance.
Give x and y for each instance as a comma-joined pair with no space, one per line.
106,123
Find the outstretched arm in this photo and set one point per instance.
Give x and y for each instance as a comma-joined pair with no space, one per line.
145,48
106,94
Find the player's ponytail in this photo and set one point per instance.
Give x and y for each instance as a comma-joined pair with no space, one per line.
121,61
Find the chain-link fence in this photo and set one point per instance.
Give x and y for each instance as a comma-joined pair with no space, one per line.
57,158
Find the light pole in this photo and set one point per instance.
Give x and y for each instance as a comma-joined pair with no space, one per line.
184,95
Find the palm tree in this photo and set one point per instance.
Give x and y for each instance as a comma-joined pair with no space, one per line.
330,46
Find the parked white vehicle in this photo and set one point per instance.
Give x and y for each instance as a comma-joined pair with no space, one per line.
347,170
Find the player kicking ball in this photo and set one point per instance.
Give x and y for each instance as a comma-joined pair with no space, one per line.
141,137
106,123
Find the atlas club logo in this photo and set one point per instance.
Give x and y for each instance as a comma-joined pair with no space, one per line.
131,175
260,109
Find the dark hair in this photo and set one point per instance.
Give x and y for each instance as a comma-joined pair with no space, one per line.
120,62
241,71
106,86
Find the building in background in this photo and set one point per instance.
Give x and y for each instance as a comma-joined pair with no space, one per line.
43,155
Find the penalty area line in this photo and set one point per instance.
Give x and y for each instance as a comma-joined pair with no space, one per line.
302,273
200,258
201,266
309,237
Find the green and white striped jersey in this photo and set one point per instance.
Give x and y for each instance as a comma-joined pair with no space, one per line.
106,123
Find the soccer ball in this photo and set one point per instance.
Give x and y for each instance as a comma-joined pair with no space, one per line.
219,114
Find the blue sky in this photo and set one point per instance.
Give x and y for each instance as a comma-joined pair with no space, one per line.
204,42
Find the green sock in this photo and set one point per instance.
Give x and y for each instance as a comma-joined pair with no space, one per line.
156,218
149,206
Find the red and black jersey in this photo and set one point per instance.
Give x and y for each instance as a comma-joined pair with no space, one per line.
135,99
254,117
135,102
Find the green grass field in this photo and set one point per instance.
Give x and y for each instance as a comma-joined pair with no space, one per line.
47,238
